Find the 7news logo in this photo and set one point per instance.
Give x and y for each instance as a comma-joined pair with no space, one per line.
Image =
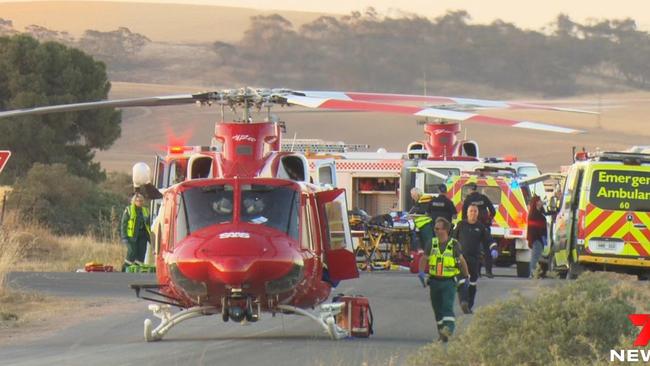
642,340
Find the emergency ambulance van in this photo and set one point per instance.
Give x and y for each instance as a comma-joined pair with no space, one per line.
510,199
604,218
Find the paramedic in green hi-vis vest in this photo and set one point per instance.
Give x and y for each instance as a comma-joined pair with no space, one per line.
445,263
135,231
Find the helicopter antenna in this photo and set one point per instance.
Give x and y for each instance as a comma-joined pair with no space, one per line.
293,143
424,74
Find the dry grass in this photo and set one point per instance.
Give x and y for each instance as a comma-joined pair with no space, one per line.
573,323
37,249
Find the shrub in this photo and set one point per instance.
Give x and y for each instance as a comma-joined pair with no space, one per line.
69,204
574,323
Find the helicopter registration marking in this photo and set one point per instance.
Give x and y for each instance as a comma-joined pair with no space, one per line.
234,234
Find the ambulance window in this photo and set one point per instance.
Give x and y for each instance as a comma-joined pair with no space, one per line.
528,171
431,182
493,193
531,172
620,190
208,205
325,175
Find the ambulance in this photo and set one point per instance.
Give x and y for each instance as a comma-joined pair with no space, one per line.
510,194
603,222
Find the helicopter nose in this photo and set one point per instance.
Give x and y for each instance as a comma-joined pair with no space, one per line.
236,260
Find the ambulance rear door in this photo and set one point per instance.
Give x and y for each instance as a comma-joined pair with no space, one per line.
617,213
565,229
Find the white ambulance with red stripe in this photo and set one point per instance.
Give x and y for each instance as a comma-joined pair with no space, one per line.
604,217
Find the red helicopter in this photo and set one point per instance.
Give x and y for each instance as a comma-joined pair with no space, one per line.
247,232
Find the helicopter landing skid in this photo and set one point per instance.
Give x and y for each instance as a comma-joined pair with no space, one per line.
168,320
325,317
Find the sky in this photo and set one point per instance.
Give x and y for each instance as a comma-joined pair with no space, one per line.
524,13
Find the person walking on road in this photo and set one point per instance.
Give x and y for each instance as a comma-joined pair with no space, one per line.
446,262
486,213
536,231
135,231
473,237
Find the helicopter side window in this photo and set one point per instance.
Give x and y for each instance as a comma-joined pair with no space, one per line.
208,205
181,221
201,167
177,171
306,240
272,206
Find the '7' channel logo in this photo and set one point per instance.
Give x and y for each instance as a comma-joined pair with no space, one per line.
641,320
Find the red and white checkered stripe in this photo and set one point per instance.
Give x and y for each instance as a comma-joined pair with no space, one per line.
351,165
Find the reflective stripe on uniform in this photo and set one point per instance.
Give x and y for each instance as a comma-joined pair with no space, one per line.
448,319
420,221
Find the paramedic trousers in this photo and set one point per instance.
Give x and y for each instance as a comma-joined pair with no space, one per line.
425,235
136,250
443,293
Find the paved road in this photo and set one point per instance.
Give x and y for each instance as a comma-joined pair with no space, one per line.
404,322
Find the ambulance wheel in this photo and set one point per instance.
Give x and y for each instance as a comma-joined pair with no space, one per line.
523,269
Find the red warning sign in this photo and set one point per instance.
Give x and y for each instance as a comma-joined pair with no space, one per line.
4,158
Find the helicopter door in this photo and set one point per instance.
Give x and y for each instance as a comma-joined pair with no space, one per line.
160,173
325,172
335,231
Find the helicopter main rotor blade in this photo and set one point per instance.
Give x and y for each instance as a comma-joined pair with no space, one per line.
444,114
134,102
447,102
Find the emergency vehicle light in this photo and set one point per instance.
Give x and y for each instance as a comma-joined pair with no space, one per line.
581,156
182,149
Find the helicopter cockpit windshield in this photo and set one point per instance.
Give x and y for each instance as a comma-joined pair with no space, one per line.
208,205
273,206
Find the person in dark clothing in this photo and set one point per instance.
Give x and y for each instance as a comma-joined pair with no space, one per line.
473,237
486,213
441,206
135,231
536,231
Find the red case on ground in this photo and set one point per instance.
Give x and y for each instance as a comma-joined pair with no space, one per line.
356,316
415,262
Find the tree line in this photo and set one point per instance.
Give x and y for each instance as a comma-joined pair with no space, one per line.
367,51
